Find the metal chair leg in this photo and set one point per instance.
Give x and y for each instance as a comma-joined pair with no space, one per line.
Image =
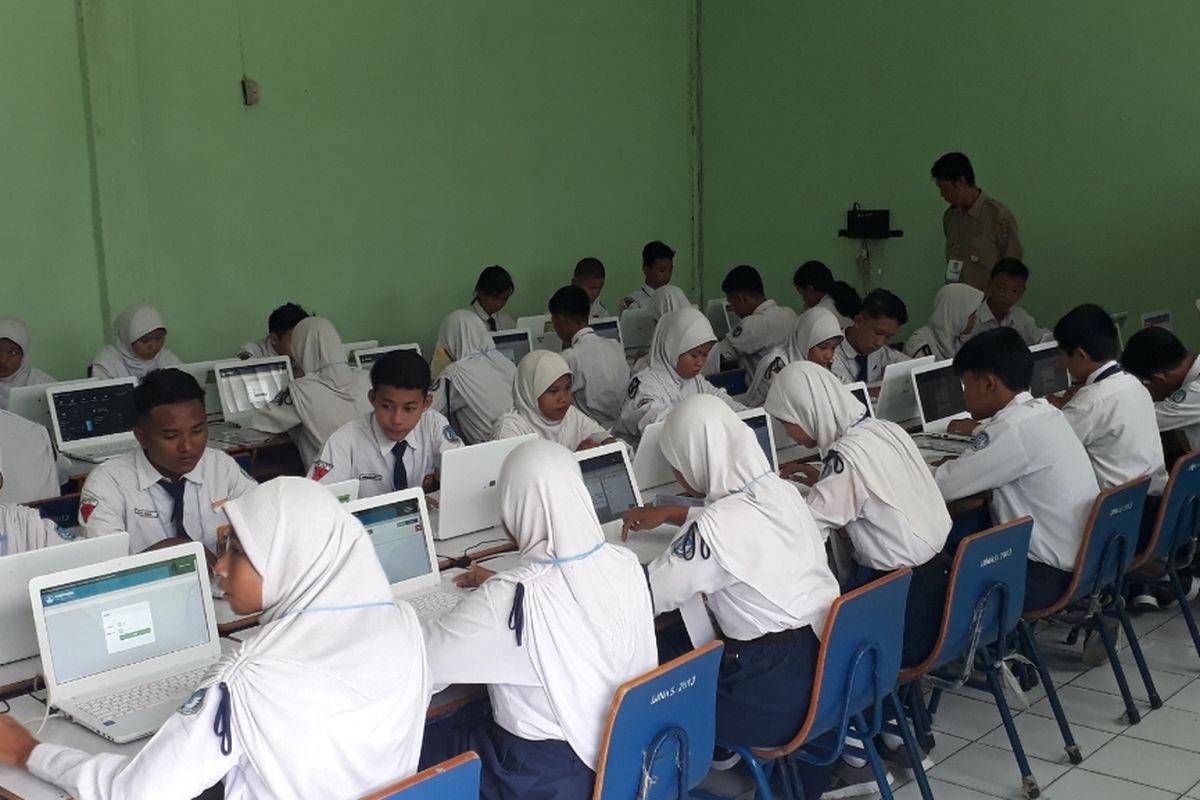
1131,712
1028,782
1136,647
1029,645
910,742
877,767
1188,616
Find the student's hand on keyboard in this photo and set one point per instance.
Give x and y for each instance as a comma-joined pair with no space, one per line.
799,472
16,743
963,427
646,518
474,577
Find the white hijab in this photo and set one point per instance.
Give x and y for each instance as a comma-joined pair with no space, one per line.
667,298
812,327
330,393
15,330
756,525
588,620
535,374
329,699
883,455
952,309
676,333
118,359
480,373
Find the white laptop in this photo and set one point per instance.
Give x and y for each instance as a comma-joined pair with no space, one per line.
352,348
125,642
515,344
469,499
715,310
940,400
896,401
637,329
651,468
1050,374
344,491
862,395
609,480
541,332
93,421
608,327
249,386
363,359
398,526
18,637
206,376
31,403
759,422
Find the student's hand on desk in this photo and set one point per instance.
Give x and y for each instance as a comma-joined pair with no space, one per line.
16,743
588,444
800,472
646,517
964,427
474,577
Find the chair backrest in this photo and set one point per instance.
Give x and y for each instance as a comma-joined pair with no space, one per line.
986,592
456,779
62,511
1178,519
661,728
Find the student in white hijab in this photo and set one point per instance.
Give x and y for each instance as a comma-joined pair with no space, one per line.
327,396
950,324
476,388
553,638
139,345
815,337
22,528
15,369
328,700
541,395
679,350
755,553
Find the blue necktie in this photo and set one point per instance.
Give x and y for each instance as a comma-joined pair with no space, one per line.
862,367
175,489
399,473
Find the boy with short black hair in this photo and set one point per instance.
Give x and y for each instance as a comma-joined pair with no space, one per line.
1157,358
278,341
863,353
589,276
765,325
399,445
658,264
173,485
598,366
1026,455
999,308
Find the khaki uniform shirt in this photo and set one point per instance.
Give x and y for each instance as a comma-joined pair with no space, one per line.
979,237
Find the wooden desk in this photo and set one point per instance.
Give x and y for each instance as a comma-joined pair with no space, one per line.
476,545
17,678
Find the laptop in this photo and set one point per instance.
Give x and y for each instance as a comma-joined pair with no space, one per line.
717,316
759,422
469,499
637,329
125,642
344,491
206,376
363,359
353,347
30,401
1050,374
651,468
93,421
18,638
862,395
608,327
1119,319
896,401
608,476
249,386
940,401
541,332
398,526
514,344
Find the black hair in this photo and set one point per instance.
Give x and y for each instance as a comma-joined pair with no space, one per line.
401,369
882,303
743,279
589,268
1000,352
1011,266
571,302
164,387
1089,328
493,281
814,274
1152,350
845,298
653,251
953,166
284,318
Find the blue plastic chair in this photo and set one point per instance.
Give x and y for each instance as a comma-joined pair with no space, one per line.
1172,544
981,614
62,511
1109,539
456,779
658,742
854,691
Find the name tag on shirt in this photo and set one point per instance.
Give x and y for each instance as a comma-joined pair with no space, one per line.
954,268
146,513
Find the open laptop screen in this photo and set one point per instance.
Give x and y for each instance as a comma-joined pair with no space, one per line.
860,394
250,387
941,393
398,534
126,616
609,329
761,425
1049,373
89,413
514,345
608,483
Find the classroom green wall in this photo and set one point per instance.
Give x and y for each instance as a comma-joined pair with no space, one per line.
1083,118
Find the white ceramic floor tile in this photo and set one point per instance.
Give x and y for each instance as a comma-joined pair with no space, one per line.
1151,621
942,791
965,717
1174,629
1079,784
1194,792
1168,655
1101,679
1171,726
992,771
1147,763
1098,710
1187,698
1041,738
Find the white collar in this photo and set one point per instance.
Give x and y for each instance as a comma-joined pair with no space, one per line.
579,334
1019,400
148,474
1099,371
385,444
764,306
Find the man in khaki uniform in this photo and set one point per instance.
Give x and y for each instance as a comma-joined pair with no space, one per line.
980,230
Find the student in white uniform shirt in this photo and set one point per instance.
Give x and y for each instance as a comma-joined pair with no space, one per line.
817,288
1027,455
683,341
658,263
765,325
173,485
476,388
15,369
665,300
278,341
139,345
493,290
755,554
23,529
318,705
815,337
865,349
999,308
955,309
598,366
553,637
589,276
1157,358
542,405
325,397
32,467
399,445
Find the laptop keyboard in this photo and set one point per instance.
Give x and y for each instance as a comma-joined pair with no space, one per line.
137,698
434,603
104,452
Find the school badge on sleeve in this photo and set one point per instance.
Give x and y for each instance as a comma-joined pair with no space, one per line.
193,704
320,469
86,506
1179,396
980,441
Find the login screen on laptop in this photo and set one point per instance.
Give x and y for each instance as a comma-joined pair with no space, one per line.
607,481
398,535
